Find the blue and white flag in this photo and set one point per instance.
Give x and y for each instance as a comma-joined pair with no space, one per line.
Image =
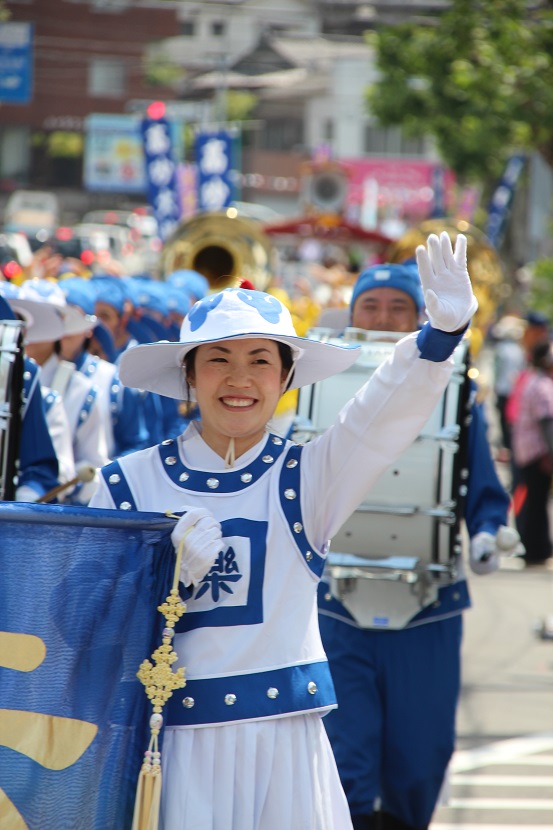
215,170
502,198
78,615
161,174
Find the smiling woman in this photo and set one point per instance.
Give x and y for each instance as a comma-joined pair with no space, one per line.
245,748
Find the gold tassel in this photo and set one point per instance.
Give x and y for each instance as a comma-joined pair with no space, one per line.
159,681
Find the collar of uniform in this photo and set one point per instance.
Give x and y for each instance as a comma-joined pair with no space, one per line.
223,481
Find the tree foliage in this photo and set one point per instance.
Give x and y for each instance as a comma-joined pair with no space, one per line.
479,79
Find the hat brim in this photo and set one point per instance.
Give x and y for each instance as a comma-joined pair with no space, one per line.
43,321
157,367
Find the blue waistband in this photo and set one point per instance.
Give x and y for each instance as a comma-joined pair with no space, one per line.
266,694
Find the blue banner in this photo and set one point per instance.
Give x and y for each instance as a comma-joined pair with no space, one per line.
161,174
502,198
215,180
16,63
78,615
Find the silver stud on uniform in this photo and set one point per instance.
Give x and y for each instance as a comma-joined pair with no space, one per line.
272,693
114,478
290,494
188,702
230,699
312,687
212,483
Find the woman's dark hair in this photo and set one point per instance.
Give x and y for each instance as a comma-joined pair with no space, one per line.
542,356
284,351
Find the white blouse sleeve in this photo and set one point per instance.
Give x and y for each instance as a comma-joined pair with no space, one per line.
370,432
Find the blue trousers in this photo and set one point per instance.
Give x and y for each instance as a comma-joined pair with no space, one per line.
394,730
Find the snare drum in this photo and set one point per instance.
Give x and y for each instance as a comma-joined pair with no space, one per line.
406,531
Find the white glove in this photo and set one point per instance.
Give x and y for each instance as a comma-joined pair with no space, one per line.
484,555
445,280
26,493
203,542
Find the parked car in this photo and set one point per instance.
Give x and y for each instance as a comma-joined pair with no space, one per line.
35,213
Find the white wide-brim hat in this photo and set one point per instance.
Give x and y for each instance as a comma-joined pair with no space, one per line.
40,301
232,314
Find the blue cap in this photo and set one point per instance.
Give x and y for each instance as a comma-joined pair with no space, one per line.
190,281
178,299
537,318
110,290
148,295
403,277
79,292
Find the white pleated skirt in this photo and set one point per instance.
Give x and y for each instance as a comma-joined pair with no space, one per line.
265,775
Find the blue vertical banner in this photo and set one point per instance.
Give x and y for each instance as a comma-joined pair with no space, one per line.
502,198
214,160
16,63
79,591
438,190
161,174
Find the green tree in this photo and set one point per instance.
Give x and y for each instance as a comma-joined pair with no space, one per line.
478,78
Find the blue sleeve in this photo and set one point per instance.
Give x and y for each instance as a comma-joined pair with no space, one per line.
437,345
38,463
129,425
487,501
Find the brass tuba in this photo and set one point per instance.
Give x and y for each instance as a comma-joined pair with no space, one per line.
222,246
484,268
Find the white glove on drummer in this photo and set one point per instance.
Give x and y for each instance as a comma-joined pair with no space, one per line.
484,556
486,548
448,296
203,541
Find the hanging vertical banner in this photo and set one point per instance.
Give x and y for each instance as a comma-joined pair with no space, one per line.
16,63
502,199
161,174
215,170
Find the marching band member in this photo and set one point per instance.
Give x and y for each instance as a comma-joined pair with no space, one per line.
122,408
397,690
244,744
80,397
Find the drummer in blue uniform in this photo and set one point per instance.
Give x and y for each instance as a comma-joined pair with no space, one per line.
38,464
393,733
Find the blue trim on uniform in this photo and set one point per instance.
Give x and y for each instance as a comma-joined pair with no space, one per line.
86,408
231,593
227,481
437,345
49,400
253,695
118,486
290,482
451,600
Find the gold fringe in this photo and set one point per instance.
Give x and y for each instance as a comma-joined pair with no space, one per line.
159,681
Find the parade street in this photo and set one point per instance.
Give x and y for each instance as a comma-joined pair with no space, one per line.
501,775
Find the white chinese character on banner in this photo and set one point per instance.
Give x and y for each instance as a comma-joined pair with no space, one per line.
214,194
214,159
166,203
161,171
167,227
156,140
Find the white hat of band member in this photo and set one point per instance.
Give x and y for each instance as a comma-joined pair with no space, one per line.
232,314
49,295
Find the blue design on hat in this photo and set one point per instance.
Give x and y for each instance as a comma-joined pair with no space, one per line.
401,276
198,313
268,306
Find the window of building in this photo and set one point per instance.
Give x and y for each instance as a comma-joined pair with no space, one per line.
282,134
188,28
107,77
218,28
328,129
390,141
